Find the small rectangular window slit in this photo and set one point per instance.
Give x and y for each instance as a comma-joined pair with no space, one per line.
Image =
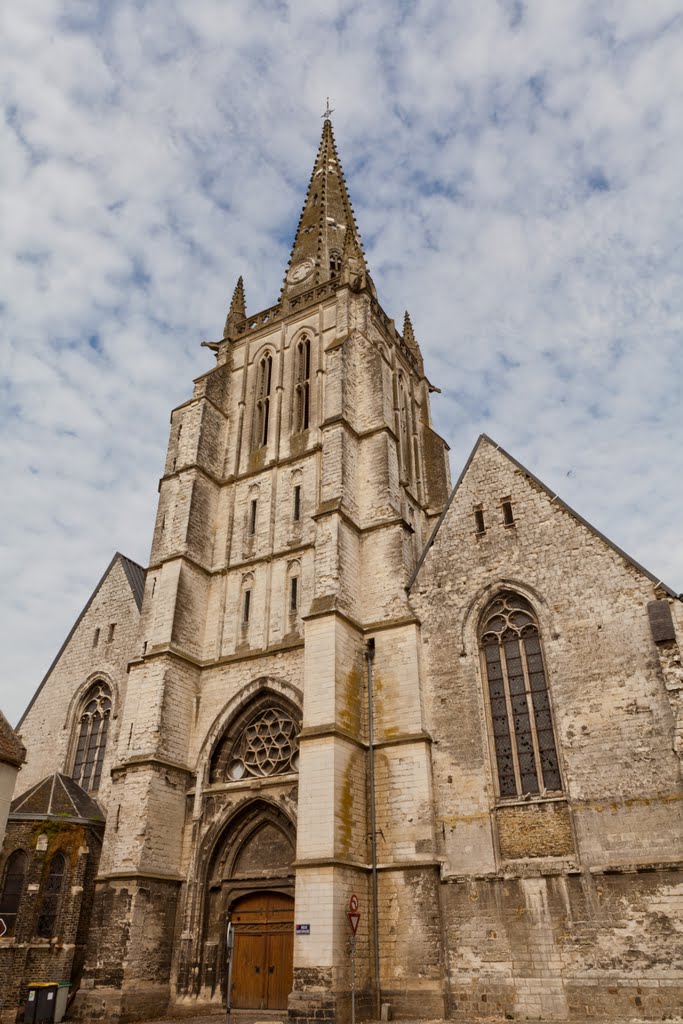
508,518
480,525
296,510
294,593
252,517
246,607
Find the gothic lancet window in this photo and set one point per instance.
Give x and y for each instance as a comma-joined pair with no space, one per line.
52,890
523,735
302,385
92,737
262,412
12,890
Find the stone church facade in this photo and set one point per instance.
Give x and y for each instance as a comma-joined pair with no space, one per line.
329,638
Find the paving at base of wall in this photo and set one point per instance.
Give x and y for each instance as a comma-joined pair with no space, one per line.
214,1017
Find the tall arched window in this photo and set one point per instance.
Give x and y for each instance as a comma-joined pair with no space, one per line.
263,386
523,736
92,737
302,386
52,891
12,890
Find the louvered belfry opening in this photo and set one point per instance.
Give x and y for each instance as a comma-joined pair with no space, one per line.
263,386
303,384
52,891
521,718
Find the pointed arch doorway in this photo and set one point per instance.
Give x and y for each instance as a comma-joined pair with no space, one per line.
249,896
261,974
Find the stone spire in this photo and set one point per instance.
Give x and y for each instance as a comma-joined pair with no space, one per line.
238,309
411,341
327,235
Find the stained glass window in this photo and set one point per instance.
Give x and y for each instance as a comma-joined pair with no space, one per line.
92,737
523,735
12,890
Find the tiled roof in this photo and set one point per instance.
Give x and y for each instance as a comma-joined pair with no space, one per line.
60,797
12,750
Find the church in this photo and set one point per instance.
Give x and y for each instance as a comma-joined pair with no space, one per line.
354,730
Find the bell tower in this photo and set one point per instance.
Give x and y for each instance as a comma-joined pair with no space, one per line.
302,481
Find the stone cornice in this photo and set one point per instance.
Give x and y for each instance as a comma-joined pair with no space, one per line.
166,651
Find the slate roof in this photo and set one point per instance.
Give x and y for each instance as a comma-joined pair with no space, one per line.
135,574
484,438
12,750
59,797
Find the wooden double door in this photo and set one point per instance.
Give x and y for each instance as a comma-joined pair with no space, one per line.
263,951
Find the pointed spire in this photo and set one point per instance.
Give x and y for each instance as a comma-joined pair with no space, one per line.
326,234
408,333
238,309
411,341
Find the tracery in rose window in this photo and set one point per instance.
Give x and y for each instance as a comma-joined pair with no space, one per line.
267,745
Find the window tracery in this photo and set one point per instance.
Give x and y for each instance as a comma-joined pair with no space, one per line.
267,745
92,737
521,717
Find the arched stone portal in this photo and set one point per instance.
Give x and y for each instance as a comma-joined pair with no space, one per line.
250,886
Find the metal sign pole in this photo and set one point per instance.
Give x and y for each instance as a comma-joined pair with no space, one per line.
230,938
353,980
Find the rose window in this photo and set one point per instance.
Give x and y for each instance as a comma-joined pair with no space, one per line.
268,745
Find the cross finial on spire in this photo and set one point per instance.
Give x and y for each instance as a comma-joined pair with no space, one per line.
326,113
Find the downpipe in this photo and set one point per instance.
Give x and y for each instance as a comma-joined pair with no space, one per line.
369,657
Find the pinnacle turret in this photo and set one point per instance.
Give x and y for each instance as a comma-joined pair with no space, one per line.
238,310
327,237
411,341
408,333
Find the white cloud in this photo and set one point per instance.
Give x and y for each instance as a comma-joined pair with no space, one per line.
515,174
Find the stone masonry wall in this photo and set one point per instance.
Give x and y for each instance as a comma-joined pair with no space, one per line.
527,933
49,728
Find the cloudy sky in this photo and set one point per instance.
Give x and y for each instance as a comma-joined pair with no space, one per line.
516,173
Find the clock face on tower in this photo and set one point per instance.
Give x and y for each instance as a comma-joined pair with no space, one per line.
300,271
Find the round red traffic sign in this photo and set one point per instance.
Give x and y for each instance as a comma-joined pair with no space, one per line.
353,904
